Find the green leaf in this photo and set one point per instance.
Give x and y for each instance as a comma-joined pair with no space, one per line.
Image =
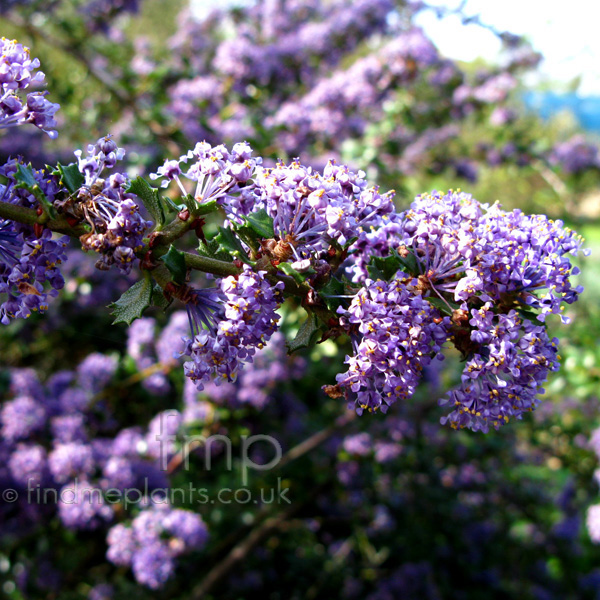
158,298
71,177
205,208
175,262
24,175
133,302
446,308
261,223
150,197
334,288
229,242
297,276
384,268
211,250
307,335
408,263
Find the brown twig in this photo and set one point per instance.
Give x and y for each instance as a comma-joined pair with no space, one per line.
316,439
243,548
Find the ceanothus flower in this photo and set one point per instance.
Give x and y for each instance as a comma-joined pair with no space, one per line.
504,373
81,505
395,332
153,565
96,371
495,274
22,416
311,211
69,460
229,324
17,73
28,465
593,523
256,385
29,258
113,214
156,537
218,172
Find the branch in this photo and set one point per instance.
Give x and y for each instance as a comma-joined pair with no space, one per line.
241,550
21,214
316,439
210,265
28,216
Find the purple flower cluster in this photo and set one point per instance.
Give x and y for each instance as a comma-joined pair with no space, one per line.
311,211
18,71
117,225
156,537
479,253
28,267
218,172
492,90
482,267
576,155
51,446
29,259
504,375
397,333
229,324
593,513
99,13
341,105
593,523
267,52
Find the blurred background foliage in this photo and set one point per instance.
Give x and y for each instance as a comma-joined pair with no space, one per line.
443,514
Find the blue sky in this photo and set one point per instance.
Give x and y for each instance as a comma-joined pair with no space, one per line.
566,32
